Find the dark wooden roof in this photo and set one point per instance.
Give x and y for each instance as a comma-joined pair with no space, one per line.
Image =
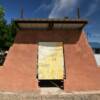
50,23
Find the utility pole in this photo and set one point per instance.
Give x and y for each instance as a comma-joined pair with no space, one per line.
21,9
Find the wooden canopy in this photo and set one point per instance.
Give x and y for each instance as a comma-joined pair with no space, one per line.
50,23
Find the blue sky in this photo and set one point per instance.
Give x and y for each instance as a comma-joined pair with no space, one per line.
89,9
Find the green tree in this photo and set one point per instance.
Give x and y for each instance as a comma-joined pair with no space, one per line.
7,34
2,13
7,31
2,27
9,37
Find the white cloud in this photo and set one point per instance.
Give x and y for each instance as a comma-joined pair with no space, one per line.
62,8
92,8
41,8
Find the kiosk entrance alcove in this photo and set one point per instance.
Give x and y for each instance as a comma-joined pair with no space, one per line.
50,64
50,50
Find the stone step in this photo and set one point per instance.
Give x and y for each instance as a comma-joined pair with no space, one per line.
34,96
51,91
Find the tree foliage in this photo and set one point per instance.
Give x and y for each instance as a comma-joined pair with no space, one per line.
2,13
7,31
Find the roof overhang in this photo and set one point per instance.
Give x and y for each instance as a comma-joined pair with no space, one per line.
42,24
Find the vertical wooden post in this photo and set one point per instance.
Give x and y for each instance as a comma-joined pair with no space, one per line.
78,12
22,13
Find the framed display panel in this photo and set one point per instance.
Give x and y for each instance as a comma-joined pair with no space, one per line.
50,61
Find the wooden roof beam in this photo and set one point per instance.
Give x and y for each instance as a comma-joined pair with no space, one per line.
50,25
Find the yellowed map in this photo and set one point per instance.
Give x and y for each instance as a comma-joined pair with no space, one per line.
50,60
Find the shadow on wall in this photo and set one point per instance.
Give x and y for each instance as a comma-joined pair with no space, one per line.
34,36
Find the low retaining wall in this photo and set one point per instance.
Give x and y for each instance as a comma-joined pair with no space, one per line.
36,96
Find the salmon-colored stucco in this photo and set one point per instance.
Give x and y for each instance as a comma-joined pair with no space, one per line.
20,68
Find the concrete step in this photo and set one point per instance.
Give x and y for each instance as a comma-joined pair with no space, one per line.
51,91
34,96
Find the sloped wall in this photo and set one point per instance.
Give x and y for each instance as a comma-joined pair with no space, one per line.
82,73
19,72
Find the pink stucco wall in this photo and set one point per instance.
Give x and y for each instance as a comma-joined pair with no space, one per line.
20,68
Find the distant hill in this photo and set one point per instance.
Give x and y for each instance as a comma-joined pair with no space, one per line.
94,44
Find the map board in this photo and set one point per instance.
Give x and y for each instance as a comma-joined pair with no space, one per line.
50,60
